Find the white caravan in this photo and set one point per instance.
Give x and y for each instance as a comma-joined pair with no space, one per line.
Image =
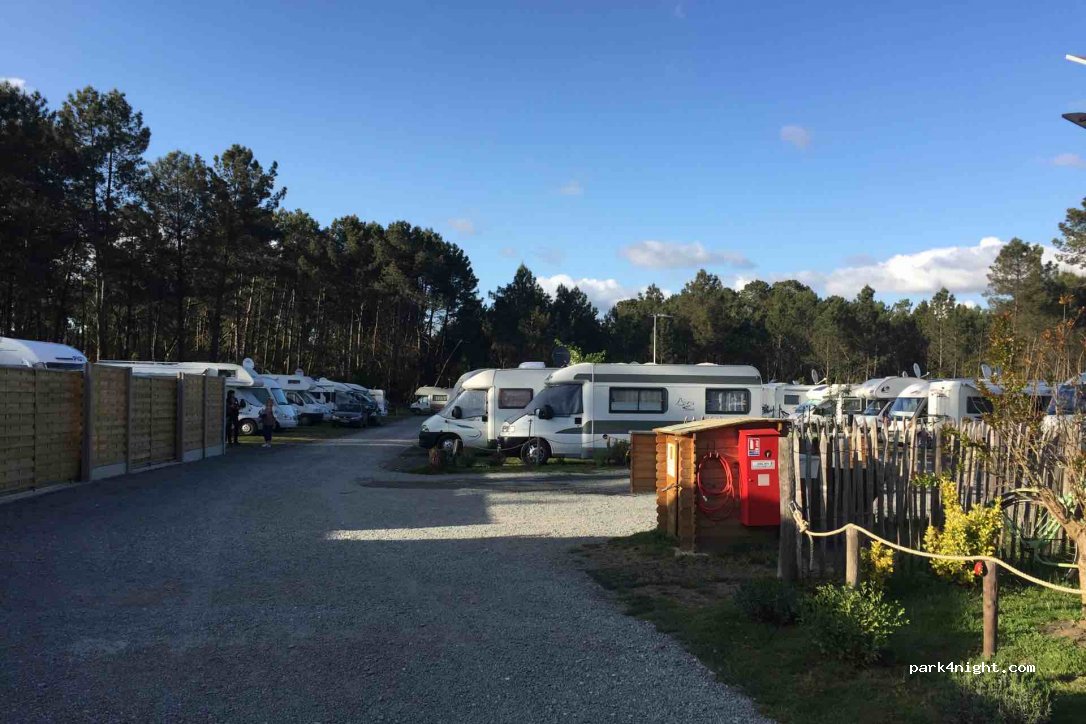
780,399
474,417
252,390
586,406
878,395
429,400
40,355
956,400
299,390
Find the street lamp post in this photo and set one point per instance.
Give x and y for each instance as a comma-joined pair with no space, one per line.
654,318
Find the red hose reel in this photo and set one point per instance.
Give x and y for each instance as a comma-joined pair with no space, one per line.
720,502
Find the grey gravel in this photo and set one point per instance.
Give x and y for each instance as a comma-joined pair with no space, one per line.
307,584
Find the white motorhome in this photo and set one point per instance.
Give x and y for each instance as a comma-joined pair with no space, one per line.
586,406
299,390
878,394
956,400
780,399
429,400
39,355
381,400
474,417
829,402
371,411
252,390
911,406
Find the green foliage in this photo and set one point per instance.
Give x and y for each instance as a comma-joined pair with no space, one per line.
975,533
877,564
617,452
852,624
769,600
1011,698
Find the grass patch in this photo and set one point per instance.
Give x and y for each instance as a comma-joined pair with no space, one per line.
780,667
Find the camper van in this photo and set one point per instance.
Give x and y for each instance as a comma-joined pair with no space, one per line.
252,390
299,390
911,406
40,355
829,402
586,406
955,400
878,394
474,417
382,402
780,399
347,405
429,400
371,413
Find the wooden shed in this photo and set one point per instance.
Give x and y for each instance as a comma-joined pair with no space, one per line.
699,466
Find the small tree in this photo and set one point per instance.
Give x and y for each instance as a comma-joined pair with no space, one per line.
1047,465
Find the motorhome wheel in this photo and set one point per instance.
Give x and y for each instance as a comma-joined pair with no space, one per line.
448,444
248,427
535,451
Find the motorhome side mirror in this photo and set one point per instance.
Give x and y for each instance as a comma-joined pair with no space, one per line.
457,413
485,418
546,413
242,404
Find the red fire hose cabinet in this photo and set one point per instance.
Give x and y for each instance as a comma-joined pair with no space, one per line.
718,480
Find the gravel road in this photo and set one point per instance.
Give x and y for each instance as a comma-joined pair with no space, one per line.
304,583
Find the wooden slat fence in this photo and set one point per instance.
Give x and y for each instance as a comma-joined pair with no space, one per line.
62,426
882,478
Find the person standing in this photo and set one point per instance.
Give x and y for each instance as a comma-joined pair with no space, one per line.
233,412
267,422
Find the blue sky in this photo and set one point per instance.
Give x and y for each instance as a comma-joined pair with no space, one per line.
620,143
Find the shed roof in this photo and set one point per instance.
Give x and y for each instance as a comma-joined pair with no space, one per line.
717,423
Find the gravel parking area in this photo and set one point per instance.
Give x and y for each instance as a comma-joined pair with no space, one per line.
306,584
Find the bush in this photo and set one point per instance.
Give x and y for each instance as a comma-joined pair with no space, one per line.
853,624
768,600
877,564
616,453
964,534
994,697
496,459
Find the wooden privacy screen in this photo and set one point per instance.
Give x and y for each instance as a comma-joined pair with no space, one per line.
40,428
46,435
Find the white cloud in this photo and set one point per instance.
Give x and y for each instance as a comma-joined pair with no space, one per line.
798,136
1069,159
673,255
19,83
604,293
463,225
571,188
961,269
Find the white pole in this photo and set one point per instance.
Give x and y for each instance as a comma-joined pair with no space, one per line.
654,318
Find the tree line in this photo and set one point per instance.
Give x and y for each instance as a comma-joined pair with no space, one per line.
186,258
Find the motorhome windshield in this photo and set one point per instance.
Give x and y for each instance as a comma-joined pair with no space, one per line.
472,403
564,399
907,406
1068,400
278,396
874,407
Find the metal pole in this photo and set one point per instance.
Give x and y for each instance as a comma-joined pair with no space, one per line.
654,318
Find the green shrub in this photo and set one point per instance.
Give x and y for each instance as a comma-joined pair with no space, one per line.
853,624
996,697
617,452
964,534
496,459
877,564
768,600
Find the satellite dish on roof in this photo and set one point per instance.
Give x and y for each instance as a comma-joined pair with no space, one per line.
916,370
248,364
561,356
300,372
904,373
986,371
814,376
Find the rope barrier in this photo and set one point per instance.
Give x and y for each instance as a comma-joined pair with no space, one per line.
805,528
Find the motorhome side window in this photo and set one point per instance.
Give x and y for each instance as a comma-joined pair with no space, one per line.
514,399
440,398
978,406
727,402
791,399
638,399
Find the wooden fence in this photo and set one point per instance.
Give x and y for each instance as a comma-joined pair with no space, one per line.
882,478
61,426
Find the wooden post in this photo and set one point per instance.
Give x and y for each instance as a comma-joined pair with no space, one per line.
179,436
86,459
991,609
787,568
130,418
852,557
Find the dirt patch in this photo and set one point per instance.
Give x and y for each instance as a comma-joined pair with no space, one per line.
1074,631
